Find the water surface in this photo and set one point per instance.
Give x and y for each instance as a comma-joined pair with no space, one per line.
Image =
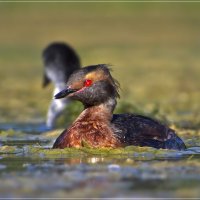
30,168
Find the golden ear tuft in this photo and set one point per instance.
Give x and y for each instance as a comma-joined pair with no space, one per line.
95,75
90,76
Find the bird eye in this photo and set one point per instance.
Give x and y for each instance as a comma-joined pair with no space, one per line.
87,83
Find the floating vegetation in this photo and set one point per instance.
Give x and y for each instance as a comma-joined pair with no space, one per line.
11,133
9,150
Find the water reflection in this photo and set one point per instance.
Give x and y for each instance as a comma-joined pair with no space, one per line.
94,160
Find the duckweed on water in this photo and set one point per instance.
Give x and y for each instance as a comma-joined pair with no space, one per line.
94,151
10,150
129,150
11,133
138,153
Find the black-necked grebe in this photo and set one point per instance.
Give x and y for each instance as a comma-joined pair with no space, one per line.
98,127
60,61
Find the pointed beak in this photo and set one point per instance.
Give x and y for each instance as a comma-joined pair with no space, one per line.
64,93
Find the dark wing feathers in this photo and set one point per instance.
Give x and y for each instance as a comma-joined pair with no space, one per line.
144,131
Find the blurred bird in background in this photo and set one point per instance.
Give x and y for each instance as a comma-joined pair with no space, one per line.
60,61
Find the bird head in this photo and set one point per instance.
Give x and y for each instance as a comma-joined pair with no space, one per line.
91,85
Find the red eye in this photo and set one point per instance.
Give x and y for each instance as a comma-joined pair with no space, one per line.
87,83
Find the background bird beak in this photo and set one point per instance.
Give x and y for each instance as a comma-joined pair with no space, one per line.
64,93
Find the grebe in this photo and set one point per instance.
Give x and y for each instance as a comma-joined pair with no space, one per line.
98,127
60,61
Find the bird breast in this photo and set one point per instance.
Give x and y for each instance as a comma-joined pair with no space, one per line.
93,133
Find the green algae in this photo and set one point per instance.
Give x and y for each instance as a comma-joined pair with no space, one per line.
87,150
139,153
11,133
9,150
49,152
39,150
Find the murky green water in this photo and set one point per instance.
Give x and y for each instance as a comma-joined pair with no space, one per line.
29,168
